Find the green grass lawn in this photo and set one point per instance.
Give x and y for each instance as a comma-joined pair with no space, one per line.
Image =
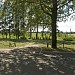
42,43
4,44
20,43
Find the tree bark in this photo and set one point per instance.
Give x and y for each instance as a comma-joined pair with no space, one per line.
43,32
54,19
30,31
9,33
37,32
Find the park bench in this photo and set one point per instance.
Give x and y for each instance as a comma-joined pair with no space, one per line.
12,44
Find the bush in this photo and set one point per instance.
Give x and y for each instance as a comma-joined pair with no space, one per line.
40,38
69,39
33,38
23,38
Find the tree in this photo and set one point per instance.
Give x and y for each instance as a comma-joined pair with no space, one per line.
56,9
53,14
16,9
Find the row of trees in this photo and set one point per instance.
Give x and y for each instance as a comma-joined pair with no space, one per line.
25,15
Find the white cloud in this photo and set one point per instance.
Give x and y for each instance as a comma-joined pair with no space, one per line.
66,26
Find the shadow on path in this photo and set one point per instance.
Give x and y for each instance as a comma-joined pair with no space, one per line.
34,61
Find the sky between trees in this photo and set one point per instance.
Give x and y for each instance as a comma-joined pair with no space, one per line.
67,25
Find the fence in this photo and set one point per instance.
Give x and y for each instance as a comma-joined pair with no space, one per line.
64,44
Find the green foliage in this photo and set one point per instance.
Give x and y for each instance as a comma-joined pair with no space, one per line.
23,37
74,3
30,13
69,38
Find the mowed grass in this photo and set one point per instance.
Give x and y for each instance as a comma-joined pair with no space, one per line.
20,43
41,43
6,44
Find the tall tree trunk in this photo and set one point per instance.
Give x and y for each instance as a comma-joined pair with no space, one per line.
18,31
37,32
43,32
6,35
53,16
17,20
9,33
30,32
54,19
2,33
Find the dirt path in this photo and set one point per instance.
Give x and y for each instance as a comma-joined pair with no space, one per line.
8,49
30,62
33,45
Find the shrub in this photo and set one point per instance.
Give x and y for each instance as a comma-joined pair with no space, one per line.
23,38
69,39
32,38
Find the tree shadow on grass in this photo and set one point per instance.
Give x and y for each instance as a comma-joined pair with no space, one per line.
25,40
35,61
